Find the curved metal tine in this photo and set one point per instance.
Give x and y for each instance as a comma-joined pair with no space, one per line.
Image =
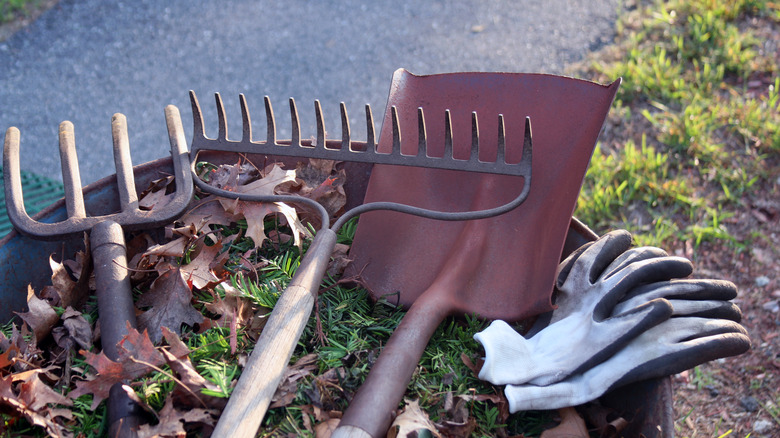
371,144
270,122
128,198
501,149
198,130
346,141
223,129
474,154
295,124
422,134
71,179
246,120
12,176
320,142
396,150
447,135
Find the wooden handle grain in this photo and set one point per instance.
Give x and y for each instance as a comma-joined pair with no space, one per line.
264,370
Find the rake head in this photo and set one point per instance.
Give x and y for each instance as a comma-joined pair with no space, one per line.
346,149
130,217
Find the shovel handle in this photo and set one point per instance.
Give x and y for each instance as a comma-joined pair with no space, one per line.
372,409
265,369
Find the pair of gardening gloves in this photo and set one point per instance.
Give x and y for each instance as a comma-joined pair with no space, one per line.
623,315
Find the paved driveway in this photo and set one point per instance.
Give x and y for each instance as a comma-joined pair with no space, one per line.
84,60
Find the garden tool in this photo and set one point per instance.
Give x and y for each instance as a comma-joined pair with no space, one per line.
498,268
114,294
264,370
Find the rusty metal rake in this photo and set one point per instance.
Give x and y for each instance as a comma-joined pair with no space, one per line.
115,303
266,365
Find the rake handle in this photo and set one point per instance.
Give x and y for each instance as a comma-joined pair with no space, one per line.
117,313
266,366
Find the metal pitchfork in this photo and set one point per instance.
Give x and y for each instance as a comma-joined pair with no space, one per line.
264,370
114,294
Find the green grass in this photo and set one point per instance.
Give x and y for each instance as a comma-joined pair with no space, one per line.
694,139
10,9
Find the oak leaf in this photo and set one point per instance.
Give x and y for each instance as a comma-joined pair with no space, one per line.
137,357
40,316
32,403
170,302
172,421
190,392
410,421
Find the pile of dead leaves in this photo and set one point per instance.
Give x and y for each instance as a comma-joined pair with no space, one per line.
196,260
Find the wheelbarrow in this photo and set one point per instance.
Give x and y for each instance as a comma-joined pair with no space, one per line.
648,403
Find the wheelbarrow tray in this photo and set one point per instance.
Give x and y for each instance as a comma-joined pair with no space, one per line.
24,261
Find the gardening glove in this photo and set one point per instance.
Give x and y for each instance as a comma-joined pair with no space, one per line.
590,283
700,298
671,347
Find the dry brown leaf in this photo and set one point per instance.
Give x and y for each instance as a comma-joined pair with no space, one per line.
32,403
156,195
285,393
457,423
172,421
411,420
137,356
571,426
191,394
40,316
198,270
170,302
75,330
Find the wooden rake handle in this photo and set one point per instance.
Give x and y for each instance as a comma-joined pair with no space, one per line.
265,369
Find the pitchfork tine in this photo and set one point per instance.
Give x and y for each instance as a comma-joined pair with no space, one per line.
197,117
128,198
527,143
74,198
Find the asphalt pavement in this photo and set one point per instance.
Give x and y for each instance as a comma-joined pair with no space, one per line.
84,60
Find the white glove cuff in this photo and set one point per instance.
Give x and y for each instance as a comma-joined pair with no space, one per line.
503,347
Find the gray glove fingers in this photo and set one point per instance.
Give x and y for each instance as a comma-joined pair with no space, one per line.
685,343
630,325
634,255
714,309
637,274
590,263
694,290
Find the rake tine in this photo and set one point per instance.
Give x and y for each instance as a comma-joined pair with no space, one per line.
474,137
370,134
296,124
527,143
246,120
197,117
422,135
270,122
222,120
128,198
501,149
74,198
396,133
447,135
346,142
320,125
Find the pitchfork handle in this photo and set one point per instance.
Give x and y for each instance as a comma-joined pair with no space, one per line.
117,313
267,363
